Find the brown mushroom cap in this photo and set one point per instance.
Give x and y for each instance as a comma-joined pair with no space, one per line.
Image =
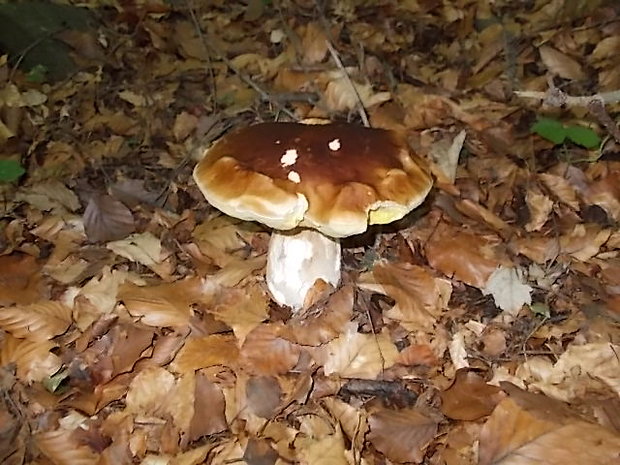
336,178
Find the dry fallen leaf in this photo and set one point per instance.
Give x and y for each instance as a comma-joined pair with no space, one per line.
469,397
508,290
107,219
561,64
37,322
356,355
529,429
420,297
401,435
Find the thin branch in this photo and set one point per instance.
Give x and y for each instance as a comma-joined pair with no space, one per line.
334,54
594,103
360,105
558,98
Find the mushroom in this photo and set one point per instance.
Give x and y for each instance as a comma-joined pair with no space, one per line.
313,184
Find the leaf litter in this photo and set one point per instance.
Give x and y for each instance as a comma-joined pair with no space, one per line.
135,325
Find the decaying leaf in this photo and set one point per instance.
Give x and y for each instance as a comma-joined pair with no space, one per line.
420,298
107,219
37,322
509,291
528,429
356,355
469,397
401,435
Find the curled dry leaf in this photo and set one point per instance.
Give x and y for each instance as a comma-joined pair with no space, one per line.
61,447
584,241
561,189
469,397
322,326
401,435
530,429
356,355
37,322
353,421
539,206
340,96
420,297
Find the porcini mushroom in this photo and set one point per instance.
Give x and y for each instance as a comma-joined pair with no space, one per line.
313,184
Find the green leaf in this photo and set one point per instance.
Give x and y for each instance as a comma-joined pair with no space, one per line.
541,309
10,170
37,73
583,136
550,129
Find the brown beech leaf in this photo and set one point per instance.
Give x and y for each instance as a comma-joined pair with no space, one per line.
401,435
62,447
468,257
469,397
264,352
263,395
33,359
356,355
561,64
163,305
148,390
580,370
107,219
531,429
20,280
561,189
209,409
320,327
242,309
420,297
328,449
202,352
314,43
539,206
352,420
38,322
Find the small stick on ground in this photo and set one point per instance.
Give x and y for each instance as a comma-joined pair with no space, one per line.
594,103
334,54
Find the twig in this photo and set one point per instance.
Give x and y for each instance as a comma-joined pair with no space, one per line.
208,44
557,98
360,105
334,54
594,103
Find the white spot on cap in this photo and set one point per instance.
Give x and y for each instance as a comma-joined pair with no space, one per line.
289,158
334,145
294,177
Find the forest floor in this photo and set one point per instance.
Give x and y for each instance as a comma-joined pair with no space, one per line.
484,328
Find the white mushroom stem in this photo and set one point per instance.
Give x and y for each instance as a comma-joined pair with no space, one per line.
296,259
